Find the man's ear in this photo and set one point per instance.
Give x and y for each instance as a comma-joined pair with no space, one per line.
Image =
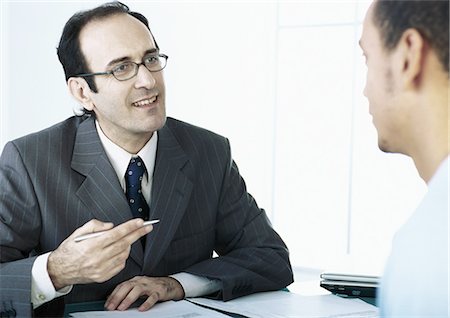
410,58
79,89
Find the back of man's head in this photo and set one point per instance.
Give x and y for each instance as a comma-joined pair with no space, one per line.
429,18
69,48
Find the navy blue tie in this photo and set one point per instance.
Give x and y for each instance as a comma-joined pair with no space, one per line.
133,178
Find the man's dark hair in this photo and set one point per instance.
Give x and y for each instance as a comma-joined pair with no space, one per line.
429,18
69,51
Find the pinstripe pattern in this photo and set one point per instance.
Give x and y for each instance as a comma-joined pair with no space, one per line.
54,181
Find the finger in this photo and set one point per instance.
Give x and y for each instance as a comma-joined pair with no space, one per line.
115,252
150,302
118,250
137,234
118,294
128,240
129,231
101,271
122,288
108,261
92,226
116,267
131,297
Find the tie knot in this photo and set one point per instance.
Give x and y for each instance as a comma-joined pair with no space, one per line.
135,172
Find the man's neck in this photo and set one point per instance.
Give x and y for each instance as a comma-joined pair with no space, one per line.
430,131
131,143
427,167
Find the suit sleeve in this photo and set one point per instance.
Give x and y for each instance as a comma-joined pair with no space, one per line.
252,256
19,214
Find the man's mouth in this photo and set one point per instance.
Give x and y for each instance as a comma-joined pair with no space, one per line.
145,102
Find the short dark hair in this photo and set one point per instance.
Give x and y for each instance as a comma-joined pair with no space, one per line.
428,17
69,51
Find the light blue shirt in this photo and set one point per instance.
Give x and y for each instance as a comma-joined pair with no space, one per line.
416,279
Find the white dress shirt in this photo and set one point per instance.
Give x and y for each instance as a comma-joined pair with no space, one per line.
416,278
42,289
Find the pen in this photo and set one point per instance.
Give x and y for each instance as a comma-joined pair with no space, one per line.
95,234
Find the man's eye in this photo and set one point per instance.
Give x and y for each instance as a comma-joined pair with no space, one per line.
122,68
151,60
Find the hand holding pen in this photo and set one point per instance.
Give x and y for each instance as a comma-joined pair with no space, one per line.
96,260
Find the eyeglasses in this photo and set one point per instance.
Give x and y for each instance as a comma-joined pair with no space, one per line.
127,70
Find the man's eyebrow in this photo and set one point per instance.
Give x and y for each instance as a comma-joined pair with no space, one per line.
118,60
127,58
151,51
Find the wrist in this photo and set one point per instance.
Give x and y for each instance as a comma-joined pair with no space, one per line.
54,263
177,289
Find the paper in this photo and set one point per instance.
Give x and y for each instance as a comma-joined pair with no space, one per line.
172,309
290,305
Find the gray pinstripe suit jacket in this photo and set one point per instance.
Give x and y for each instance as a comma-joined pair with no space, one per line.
54,181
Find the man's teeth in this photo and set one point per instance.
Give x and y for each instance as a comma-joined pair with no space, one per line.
145,102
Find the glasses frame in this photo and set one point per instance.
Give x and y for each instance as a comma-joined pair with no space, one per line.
111,72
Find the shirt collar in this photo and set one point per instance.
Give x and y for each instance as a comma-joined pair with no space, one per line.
120,158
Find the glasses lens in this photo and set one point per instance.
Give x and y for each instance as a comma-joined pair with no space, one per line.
125,71
155,63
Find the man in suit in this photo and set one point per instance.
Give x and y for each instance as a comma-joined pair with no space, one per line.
406,46
74,178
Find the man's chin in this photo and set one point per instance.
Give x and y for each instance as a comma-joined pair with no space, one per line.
387,147
155,123
383,145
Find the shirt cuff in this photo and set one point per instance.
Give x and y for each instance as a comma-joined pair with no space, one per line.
196,286
42,289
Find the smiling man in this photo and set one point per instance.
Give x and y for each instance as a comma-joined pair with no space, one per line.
118,164
406,45
128,110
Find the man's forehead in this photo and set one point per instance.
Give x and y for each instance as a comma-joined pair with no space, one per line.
113,37
368,28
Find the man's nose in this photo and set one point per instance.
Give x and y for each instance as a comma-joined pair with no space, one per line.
145,78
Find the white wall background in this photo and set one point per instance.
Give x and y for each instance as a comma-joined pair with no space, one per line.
282,79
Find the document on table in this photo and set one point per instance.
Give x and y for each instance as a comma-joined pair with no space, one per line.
172,309
289,305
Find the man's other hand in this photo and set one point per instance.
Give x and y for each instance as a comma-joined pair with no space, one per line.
154,288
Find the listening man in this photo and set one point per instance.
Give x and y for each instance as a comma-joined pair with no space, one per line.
406,46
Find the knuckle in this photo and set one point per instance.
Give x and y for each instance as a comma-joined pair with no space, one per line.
157,295
121,262
122,230
122,246
117,261
98,278
124,255
92,222
121,267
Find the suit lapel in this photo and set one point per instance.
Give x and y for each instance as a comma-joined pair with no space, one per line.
170,196
100,191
